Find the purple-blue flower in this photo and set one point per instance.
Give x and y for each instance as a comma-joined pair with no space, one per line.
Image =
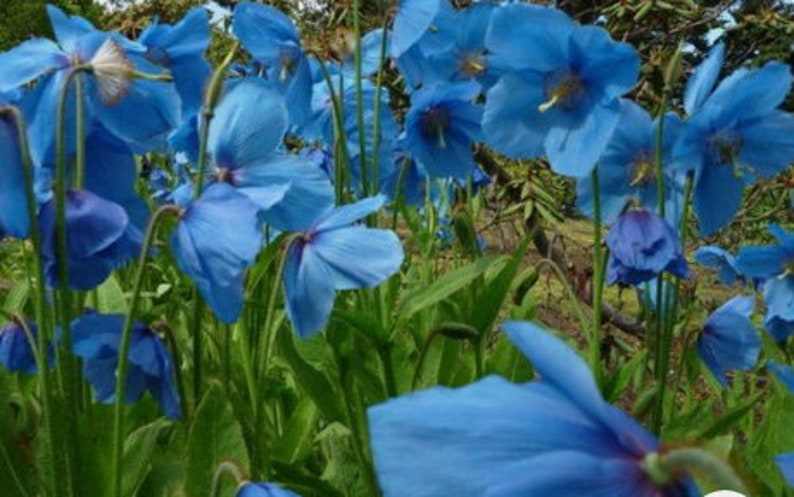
560,97
735,135
263,489
441,126
17,353
96,339
627,169
99,239
641,246
334,254
216,239
554,436
729,341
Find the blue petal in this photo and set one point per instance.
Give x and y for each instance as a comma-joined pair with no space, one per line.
718,195
511,122
514,27
28,61
14,219
111,170
241,133
752,93
414,18
263,30
761,262
262,489
553,474
68,29
575,151
768,144
702,81
729,340
784,374
358,257
779,300
347,214
785,462
719,259
611,68
309,290
304,189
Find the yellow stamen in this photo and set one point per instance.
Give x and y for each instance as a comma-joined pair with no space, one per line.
554,100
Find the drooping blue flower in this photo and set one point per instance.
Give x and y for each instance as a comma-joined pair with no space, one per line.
735,136
263,489
729,341
332,255
641,246
555,436
627,169
216,239
243,147
441,126
775,265
14,220
17,354
272,39
779,300
99,238
561,96
721,260
180,49
96,339
139,111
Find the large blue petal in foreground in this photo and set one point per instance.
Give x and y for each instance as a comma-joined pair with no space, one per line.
215,241
555,436
262,489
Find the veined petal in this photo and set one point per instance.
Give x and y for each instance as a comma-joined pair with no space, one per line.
28,61
358,257
249,124
309,290
702,81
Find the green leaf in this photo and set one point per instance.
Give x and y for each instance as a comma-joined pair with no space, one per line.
138,448
313,363
17,297
445,286
215,436
622,378
296,443
110,297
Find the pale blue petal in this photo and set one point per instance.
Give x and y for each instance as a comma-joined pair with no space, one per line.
14,219
702,81
511,123
358,257
718,195
28,61
308,289
347,214
414,18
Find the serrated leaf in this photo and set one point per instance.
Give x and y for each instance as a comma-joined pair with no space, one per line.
215,436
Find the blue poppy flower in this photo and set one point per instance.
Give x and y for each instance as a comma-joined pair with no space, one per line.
627,169
720,259
441,125
99,238
14,220
332,255
17,354
775,265
555,436
138,111
244,138
736,135
96,339
414,18
561,96
262,489
272,39
180,49
729,341
641,246
216,239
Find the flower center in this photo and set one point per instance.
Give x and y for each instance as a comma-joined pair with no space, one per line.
434,123
472,65
725,149
564,90
641,171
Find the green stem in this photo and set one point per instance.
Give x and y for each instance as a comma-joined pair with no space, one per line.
341,156
376,124
703,463
225,467
598,281
79,172
360,100
124,347
46,331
